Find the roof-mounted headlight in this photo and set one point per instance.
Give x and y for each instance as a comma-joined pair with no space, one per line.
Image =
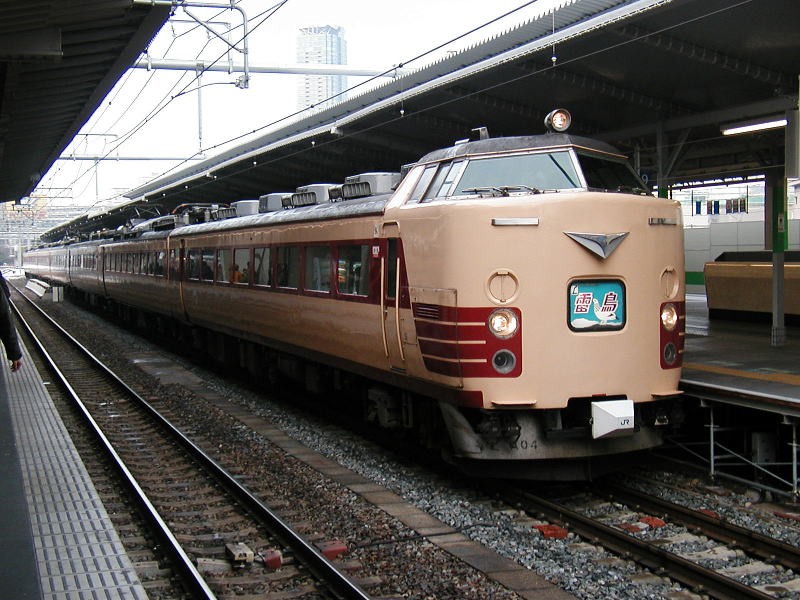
558,120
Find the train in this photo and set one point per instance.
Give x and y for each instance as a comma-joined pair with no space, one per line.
517,303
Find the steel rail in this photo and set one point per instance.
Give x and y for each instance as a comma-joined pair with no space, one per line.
181,562
748,540
661,561
313,559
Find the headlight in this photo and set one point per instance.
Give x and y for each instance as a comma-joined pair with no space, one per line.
558,120
503,323
669,317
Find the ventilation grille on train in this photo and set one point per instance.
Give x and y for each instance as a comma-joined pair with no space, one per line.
427,311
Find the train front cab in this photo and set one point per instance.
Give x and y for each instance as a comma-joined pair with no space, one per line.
553,389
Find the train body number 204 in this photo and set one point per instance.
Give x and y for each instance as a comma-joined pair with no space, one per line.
523,444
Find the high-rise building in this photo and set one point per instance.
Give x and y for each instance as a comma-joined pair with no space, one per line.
325,45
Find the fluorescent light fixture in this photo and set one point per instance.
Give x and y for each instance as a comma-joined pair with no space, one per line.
762,124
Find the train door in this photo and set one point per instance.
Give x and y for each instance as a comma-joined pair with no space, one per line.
68,268
102,258
391,298
180,273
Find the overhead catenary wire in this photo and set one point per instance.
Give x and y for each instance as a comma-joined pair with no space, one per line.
351,88
562,64
163,103
549,67
267,14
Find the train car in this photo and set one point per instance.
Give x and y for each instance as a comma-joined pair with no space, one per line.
83,268
136,274
521,298
48,263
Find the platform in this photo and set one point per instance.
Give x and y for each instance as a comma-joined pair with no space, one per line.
56,540
739,354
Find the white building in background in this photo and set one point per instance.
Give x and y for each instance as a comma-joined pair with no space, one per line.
729,218
325,45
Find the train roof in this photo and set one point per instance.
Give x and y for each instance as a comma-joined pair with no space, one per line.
532,142
372,205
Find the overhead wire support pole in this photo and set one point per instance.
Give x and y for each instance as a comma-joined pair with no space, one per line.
244,81
149,63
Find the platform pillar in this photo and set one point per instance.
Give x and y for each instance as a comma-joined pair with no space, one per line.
778,337
777,238
712,441
794,461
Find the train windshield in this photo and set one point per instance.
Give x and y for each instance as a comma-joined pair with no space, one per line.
520,172
603,174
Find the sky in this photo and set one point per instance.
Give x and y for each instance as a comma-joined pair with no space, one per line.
163,114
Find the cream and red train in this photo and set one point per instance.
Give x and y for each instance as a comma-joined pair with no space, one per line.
521,298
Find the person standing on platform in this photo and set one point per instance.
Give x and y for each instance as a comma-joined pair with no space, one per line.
8,334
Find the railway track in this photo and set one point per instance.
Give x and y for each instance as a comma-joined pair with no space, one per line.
662,571
626,522
222,540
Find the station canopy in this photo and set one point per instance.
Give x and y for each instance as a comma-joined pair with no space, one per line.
58,60
658,79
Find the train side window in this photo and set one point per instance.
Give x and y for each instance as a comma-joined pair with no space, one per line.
353,270
241,263
318,269
445,176
423,183
224,265
241,260
288,265
262,265
207,264
174,264
193,270
159,266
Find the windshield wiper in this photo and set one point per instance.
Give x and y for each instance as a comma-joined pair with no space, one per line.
520,187
633,190
494,191
504,190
